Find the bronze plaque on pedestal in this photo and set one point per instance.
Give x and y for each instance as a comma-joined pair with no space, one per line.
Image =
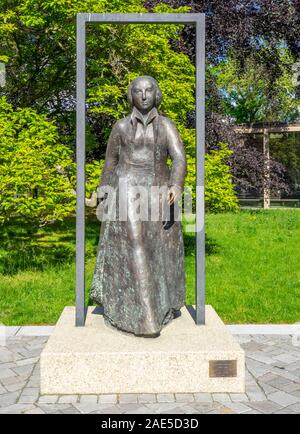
222,368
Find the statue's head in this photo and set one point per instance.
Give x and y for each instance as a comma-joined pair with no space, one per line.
144,93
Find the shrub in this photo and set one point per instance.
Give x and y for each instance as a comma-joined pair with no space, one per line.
36,170
219,189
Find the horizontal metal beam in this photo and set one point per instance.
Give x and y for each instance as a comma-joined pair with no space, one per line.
148,18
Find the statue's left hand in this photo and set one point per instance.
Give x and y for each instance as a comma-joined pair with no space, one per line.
173,194
92,202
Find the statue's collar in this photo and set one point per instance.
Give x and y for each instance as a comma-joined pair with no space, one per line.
136,115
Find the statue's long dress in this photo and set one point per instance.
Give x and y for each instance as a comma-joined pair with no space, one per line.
139,274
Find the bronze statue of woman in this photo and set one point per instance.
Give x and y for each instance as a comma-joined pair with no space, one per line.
139,274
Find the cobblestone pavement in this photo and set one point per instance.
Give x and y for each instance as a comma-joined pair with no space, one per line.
272,384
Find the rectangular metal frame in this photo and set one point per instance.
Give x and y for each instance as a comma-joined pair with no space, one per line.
150,18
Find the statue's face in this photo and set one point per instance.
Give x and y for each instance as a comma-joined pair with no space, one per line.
144,95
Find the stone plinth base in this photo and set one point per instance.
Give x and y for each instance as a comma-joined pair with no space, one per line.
185,358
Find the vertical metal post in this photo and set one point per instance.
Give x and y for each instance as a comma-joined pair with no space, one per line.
200,203
2,74
80,186
266,152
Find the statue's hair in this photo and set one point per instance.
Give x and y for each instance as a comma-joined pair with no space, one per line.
153,81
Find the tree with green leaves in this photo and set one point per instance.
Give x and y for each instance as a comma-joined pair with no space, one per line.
250,95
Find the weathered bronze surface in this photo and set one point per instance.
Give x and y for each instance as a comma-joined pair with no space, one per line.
139,273
222,368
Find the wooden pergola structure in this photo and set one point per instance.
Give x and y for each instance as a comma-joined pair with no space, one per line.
266,129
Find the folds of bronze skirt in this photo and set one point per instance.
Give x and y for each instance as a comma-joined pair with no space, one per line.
170,315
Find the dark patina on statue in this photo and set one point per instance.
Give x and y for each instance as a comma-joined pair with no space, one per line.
139,274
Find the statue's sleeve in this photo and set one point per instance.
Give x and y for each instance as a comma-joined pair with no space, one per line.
111,156
177,153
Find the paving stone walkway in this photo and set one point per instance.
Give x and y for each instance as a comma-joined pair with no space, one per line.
272,384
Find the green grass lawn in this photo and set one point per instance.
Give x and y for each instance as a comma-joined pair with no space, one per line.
252,268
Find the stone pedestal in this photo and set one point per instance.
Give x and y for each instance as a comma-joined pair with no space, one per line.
185,358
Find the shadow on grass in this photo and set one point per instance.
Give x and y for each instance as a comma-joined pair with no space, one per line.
25,248
211,246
